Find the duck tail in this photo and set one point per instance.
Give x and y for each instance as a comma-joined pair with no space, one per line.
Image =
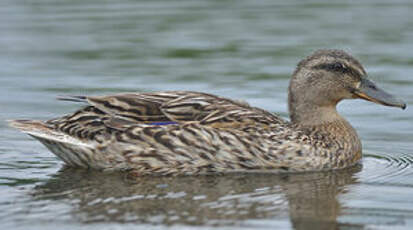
72,151
27,126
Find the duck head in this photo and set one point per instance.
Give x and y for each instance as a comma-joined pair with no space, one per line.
323,79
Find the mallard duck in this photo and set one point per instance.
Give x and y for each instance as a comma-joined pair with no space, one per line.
183,132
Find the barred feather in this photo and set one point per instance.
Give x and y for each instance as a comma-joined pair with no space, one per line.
201,133
183,132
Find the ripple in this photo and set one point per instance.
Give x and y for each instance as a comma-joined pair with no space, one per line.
245,50
387,169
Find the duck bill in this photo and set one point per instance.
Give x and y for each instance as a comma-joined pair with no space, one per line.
370,92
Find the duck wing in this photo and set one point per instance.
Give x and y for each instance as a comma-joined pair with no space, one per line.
172,107
132,131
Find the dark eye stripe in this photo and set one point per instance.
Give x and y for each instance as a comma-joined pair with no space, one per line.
333,67
337,67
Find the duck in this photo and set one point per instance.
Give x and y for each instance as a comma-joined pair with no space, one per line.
194,133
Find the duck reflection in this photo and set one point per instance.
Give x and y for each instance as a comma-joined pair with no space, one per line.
308,200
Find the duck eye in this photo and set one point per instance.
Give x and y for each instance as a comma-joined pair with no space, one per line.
338,67
333,67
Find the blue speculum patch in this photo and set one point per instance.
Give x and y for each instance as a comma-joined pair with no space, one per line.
164,123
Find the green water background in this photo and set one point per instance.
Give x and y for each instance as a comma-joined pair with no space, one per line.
239,49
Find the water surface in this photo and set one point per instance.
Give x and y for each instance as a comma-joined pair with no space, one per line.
239,49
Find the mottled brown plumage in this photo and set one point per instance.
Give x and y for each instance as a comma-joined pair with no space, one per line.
180,132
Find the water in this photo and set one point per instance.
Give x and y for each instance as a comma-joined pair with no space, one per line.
239,49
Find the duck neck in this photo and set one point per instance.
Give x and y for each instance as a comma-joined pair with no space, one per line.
307,115
324,119
323,124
